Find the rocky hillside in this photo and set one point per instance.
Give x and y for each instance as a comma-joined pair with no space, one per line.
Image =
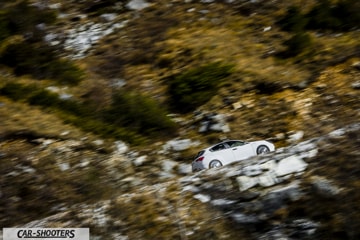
103,105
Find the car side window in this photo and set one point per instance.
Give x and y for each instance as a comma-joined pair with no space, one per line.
235,143
218,147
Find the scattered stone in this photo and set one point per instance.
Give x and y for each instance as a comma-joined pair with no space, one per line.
246,183
237,105
252,170
290,165
202,198
184,169
245,219
339,133
179,145
109,17
324,187
290,192
118,83
191,188
140,160
121,147
214,122
295,137
280,136
137,5
304,226
268,165
168,165
222,202
64,166
356,85
266,29
356,65
98,142
268,179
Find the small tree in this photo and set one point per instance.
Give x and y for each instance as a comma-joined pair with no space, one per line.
139,113
293,21
297,44
196,86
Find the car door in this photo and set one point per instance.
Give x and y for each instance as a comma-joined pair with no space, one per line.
223,153
241,150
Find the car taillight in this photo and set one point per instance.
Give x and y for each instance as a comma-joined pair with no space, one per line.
199,159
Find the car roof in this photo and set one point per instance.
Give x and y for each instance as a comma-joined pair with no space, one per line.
225,141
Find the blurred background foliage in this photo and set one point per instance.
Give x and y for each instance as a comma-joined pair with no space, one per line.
130,116
23,49
325,16
30,54
196,86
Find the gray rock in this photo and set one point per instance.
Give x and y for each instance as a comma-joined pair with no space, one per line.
222,202
295,137
184,169
246,182
213,122
168,165
252,170
304,227
191,188
324,187
64,166
118,82
268,179
245,219
179,145
140,160
202,198
289,165
121,147
356,65
290,192
137,5
339,133
356,85
109,17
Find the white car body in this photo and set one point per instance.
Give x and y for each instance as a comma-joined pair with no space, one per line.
229,151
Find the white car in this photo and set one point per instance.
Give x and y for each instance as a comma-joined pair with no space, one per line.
229,151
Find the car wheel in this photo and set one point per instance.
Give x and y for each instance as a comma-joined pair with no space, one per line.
215,164
262,149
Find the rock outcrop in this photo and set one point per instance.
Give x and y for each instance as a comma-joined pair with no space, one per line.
297,192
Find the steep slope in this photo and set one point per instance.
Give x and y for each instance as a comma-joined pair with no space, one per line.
64,164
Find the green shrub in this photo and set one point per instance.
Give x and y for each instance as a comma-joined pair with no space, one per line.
22,18
293,21
33,56
64,72
4,26
41,62
296,45
17,91
196,86
104,129
82,115
139,113
322,17
325,15
44,98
